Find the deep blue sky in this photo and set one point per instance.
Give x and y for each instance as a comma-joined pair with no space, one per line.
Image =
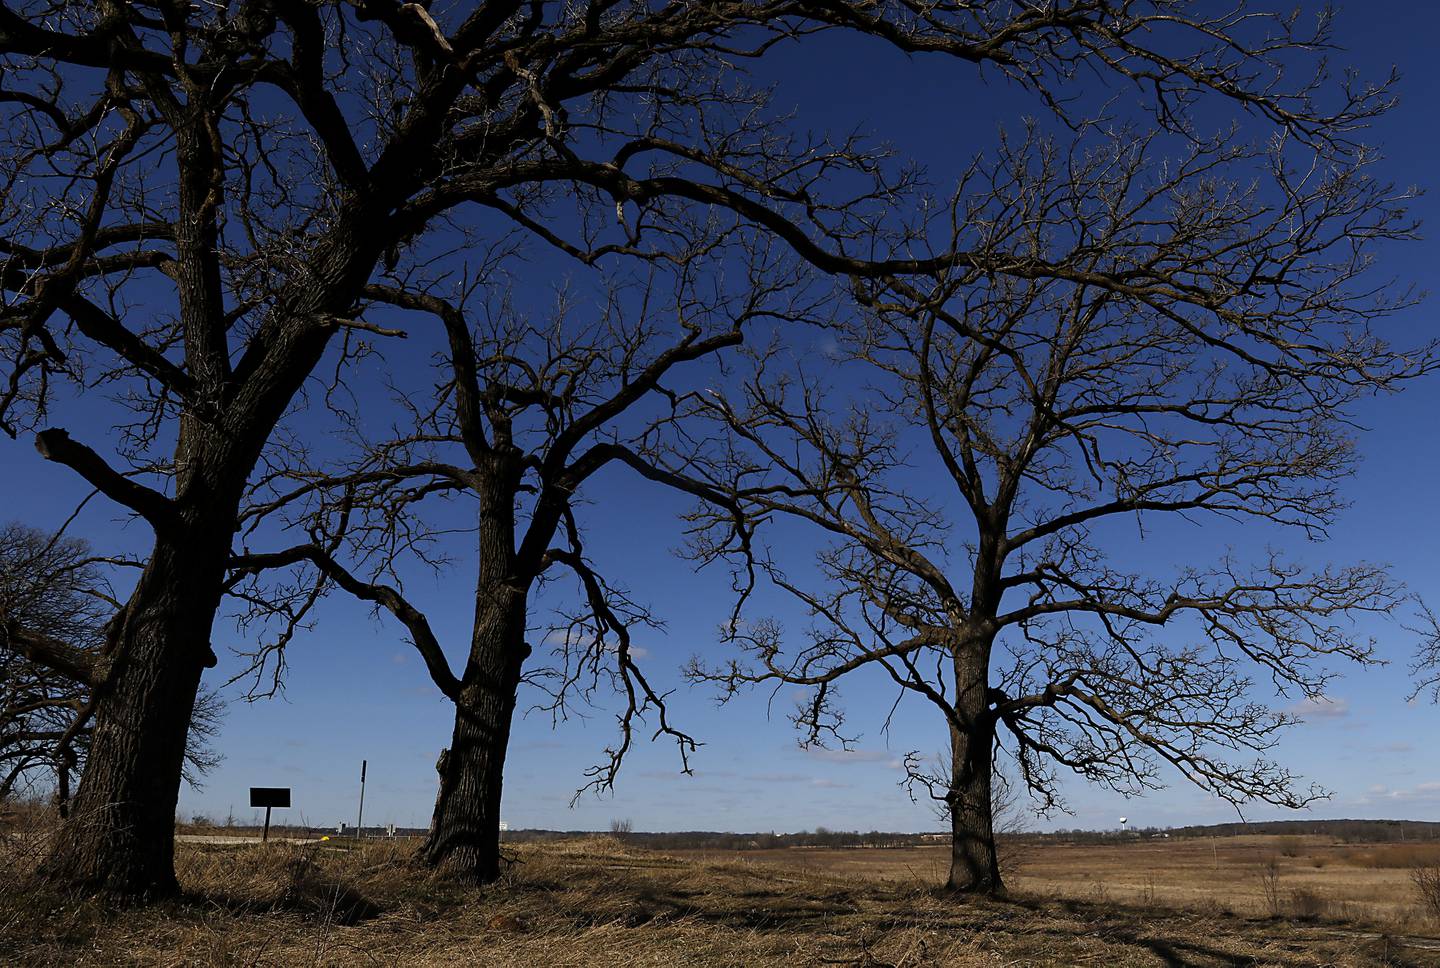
356,689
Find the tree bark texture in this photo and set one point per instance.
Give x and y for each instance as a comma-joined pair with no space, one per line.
119,836
974,865
464,836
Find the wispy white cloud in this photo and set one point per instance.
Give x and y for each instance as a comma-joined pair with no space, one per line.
853,757
669,776
1379,794
818,782
1319,707
579,640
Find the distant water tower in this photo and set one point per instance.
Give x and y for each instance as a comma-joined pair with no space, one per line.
1122,823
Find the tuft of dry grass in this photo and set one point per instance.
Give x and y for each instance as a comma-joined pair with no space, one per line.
598,902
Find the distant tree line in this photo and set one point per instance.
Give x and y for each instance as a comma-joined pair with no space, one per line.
712,840
1349,831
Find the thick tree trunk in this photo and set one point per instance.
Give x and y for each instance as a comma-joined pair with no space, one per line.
974,866
119,836
464,836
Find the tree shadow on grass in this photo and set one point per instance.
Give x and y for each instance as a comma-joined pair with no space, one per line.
1135,927
307,890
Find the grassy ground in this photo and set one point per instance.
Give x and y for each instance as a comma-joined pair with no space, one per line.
1318,877
599,903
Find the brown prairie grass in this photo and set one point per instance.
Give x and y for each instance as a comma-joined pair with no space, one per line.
601,903
1392,856
1318,878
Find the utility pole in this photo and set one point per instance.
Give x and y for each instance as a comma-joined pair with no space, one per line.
360,817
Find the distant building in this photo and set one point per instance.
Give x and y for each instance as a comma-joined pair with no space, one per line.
504,826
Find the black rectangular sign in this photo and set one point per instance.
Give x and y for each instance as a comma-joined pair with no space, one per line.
269,796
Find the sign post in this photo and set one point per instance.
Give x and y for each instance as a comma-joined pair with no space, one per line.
269,797
360,817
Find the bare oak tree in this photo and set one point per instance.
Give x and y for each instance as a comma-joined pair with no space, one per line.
193,198
525,412
995,447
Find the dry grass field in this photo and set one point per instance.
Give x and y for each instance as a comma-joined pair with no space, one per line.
600,903
1312,876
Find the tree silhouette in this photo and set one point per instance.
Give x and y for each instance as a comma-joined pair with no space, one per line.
196,196
995,438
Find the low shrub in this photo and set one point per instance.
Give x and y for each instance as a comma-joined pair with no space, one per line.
1426,878
1305,903
1270,887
